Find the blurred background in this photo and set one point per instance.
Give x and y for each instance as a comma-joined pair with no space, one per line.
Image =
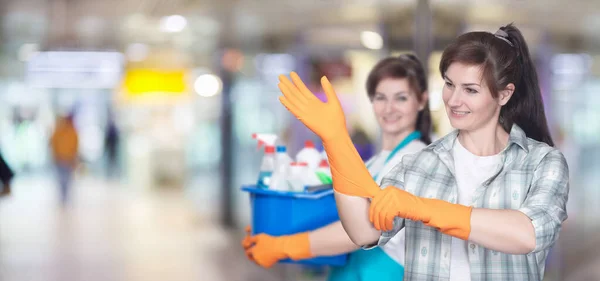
164,96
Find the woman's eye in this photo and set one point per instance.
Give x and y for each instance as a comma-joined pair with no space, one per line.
401,98
471,91
448,84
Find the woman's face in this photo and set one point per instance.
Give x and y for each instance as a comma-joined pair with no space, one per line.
469,102
396,106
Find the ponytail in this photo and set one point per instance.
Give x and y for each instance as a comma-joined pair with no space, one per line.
525,107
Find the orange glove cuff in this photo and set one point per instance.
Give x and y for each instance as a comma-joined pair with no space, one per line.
449,218
297,246
348,171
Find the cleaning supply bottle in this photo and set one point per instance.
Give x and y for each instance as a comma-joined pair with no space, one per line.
324,155
282,170
266,168
324,172
296,177
310,155
265,139
309,175
281,155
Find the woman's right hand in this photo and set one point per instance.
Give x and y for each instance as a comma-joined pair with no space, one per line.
326,119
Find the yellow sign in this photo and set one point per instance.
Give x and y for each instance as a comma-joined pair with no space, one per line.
143,81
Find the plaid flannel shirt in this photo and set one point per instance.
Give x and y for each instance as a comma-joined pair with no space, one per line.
532,179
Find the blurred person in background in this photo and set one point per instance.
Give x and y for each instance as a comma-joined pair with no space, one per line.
65,150
111,141
397,88
6,175
485,202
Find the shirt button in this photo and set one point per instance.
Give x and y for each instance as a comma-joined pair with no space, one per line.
424,251
472,246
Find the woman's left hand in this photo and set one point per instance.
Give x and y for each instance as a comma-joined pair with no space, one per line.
391,202
394,202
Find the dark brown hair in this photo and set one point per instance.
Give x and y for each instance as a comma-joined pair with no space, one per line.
404,66
504,58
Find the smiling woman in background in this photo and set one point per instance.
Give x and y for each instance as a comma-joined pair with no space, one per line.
397,88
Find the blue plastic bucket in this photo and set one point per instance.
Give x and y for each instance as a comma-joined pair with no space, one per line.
282,212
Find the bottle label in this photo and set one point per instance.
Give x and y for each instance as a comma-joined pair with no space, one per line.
324,178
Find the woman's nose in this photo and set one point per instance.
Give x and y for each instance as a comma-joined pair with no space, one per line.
389,106
455,99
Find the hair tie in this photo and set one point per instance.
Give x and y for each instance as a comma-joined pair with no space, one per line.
502,35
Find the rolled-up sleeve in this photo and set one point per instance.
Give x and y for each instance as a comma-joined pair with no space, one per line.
546,201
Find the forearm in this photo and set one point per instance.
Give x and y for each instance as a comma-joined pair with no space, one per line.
331,240
506,231
354,215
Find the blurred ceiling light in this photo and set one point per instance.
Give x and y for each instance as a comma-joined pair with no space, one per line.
28,51
208,85
371,40
137,52
174,23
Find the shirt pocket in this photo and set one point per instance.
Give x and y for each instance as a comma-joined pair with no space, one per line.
516,186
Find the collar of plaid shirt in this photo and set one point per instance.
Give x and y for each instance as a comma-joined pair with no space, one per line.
532,179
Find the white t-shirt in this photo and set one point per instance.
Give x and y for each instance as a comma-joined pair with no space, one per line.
470,172
377,166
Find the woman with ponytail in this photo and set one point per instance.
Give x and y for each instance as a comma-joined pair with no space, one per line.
485,202
397,88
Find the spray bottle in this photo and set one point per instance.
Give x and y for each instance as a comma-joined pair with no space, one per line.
265,139
266,168
267,165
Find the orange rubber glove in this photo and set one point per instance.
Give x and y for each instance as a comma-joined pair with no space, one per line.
449,218
326,119
246,242
266,250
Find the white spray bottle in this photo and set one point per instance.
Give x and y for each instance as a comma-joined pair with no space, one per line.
265,139
268,161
